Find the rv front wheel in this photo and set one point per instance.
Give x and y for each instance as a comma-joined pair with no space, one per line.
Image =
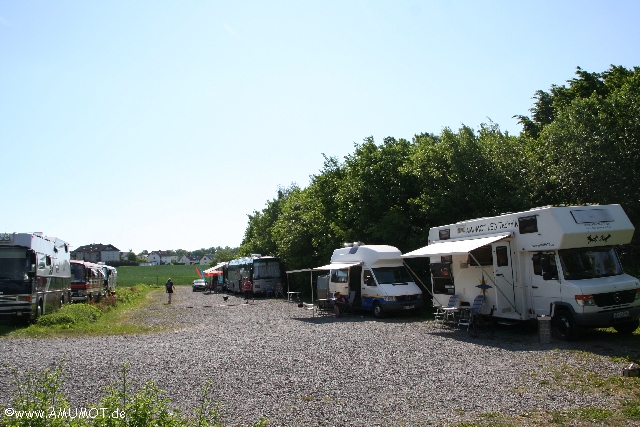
565,327
627,328
378,313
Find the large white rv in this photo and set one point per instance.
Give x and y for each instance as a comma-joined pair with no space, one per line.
554,261
375,278
35,276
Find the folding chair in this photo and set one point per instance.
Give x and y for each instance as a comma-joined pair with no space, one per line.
278,292
467,314
445,313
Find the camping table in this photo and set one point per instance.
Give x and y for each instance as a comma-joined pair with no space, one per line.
324,307
291,295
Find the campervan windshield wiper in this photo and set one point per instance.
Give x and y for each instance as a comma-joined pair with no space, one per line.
399,283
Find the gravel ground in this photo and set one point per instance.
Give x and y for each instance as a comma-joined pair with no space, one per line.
272,359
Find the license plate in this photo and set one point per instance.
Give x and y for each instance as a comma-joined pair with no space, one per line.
409,307
620,314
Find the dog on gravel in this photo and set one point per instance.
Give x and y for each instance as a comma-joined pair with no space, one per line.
225,298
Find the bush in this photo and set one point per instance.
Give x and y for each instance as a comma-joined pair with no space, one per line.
126,295
71,314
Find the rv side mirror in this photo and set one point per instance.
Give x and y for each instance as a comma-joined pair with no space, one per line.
545,264
32,271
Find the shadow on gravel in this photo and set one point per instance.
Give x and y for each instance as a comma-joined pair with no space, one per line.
524,337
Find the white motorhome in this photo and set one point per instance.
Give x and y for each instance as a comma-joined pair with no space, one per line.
554,261
35,275
375,278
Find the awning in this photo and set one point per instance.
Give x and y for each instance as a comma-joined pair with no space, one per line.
214,268
455,247
339,266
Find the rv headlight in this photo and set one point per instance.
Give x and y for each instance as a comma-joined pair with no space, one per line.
389,298
585,300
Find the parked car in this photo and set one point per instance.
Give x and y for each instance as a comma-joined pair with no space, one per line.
199,285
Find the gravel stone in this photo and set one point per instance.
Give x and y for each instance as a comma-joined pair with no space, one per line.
273,359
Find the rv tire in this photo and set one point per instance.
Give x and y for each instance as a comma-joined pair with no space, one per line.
627,328
565,326
378,312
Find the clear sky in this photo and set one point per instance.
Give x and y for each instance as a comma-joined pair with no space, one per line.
163,124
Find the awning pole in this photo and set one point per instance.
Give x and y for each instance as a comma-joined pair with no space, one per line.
416,276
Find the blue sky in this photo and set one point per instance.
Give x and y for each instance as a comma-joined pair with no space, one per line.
162,125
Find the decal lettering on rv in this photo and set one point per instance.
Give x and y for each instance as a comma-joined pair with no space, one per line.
543,245
492,226
595,239
597,225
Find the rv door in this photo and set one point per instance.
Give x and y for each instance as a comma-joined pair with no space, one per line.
503,270
543,280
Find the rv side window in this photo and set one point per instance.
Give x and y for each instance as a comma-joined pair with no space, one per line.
502,256
339,276
483,255
444,234
528,224
368,278
540,259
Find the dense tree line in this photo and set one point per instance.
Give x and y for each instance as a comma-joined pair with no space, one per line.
580,145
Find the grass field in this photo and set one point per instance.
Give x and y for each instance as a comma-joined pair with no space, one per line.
158,275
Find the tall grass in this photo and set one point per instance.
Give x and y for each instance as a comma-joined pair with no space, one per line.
109,316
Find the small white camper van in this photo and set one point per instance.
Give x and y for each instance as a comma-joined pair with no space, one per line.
374,277
552,261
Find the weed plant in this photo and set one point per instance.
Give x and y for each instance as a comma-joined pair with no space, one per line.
109,315
38,401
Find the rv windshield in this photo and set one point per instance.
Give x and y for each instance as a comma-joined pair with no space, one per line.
266,269
392,275
77,273
589,263
14,269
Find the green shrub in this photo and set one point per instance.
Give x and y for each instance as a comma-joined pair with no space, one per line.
127,295
71,314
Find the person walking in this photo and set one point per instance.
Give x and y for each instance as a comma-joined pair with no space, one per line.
247,286
170,288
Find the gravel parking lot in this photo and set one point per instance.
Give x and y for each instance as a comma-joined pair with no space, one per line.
272,359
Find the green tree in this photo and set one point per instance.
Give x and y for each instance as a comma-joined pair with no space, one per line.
258,237
225,254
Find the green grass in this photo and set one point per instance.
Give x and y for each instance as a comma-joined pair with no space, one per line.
111,316
158,275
